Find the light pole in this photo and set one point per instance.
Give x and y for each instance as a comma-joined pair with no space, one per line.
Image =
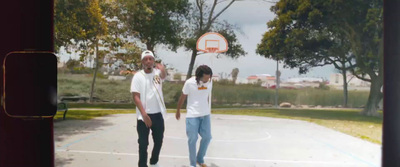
277,75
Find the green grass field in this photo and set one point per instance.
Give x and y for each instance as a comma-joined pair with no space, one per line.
346,121
223,94
89,114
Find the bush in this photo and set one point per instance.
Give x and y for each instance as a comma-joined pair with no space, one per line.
177,76
323,86
224,82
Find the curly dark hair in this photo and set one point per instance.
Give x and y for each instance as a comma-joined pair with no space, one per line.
201,70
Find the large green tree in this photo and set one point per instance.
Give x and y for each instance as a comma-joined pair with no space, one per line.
117,43
81,25
313,33
97,33
67,28
308,48
203,19
154,22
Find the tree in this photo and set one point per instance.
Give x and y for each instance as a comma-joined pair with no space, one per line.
97,31
365,32
310,33
155,22
67,27
86,26
303,46
87,35
341,64
204,19
117,42
234,74
130,56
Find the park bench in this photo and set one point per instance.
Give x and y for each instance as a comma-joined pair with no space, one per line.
62,106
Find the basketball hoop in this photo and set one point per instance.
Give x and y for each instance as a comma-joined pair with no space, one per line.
212,43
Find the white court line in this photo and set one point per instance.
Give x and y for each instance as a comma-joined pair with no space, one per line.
244,119
217,158
227,141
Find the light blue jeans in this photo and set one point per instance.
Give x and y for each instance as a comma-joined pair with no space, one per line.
194,127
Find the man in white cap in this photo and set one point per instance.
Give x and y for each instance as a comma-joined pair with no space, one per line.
146,88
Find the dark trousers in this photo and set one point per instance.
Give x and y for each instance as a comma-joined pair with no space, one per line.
157,129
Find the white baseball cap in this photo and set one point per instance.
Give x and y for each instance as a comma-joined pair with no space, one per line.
147,53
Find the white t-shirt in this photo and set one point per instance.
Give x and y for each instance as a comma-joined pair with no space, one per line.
150,88
199,96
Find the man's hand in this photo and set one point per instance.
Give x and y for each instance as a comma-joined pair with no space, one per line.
147,120
178,115
162,69
160,66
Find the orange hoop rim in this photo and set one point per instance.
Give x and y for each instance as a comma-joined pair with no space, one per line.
212,50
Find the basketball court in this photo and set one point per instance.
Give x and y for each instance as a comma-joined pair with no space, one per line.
238,141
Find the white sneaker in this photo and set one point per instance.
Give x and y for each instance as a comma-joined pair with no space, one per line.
155,165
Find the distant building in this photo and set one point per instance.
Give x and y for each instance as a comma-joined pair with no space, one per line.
337,81
259,78
269,81
265,80
305,80
302,82
240,80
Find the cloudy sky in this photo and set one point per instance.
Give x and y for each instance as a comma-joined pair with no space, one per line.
251,16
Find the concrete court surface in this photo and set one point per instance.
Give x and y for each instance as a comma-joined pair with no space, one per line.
238,141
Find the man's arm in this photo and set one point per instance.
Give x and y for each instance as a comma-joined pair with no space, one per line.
163,73
180,102
138,102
